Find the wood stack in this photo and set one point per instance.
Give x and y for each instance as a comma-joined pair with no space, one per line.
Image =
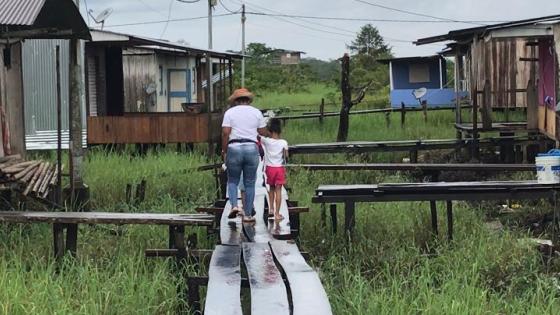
34,178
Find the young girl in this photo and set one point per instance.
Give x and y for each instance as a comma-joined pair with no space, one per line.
276,153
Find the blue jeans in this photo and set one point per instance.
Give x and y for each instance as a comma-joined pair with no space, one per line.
242,159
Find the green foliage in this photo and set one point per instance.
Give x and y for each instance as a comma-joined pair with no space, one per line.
262,74
367,48
392,266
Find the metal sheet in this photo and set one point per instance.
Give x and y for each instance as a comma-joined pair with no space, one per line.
39,84
18,12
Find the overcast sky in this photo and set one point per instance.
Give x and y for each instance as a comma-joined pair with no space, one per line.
318,38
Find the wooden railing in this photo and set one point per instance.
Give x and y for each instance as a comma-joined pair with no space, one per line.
151,128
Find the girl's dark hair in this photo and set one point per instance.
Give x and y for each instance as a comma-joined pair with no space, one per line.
274,125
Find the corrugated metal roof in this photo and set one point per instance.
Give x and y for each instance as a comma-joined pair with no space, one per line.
20,12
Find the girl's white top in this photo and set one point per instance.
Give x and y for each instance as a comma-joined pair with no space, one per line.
274,151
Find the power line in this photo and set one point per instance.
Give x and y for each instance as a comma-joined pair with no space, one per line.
278,14
230,11
331,18
169,20
413,13
350,33
151,8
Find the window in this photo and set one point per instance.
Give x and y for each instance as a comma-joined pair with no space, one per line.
288,55
418,73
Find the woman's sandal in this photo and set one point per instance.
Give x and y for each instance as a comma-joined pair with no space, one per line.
279,218
234,213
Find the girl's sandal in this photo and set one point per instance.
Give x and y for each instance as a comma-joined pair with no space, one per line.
279,217
233,213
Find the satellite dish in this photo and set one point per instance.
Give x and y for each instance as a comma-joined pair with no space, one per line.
151,88
419,93
101,17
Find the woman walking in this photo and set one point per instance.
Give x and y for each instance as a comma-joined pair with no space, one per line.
241,125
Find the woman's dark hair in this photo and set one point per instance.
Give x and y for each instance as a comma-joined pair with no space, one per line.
274,125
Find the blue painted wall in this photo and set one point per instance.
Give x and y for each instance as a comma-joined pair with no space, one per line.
434,98
401,75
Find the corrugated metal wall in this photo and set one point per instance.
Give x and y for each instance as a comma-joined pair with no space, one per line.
39,84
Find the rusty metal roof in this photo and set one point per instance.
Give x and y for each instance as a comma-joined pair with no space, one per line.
41,19
20,12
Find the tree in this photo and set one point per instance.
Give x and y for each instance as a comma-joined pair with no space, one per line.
367,48
369,42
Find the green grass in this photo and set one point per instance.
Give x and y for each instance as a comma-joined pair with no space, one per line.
393,266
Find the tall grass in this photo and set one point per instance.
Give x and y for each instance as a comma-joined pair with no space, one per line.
393,265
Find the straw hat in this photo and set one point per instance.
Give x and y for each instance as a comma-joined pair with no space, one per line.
243,92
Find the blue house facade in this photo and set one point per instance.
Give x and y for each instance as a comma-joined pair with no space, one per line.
409,74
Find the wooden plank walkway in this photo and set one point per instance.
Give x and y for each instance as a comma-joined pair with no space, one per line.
223,296
308,294
230,229
268,292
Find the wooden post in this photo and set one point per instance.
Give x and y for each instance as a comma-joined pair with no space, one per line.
449,220
321,110
425,110
388,119
230,70
532,106
344,119
349,217
72,239
75,113
58,240
474,144
413,156
58,195
334,219
487,106
323,215
403,114
433,210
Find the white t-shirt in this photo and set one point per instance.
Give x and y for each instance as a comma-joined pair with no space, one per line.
244,121
274,151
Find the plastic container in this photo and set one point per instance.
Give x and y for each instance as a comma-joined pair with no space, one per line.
548,167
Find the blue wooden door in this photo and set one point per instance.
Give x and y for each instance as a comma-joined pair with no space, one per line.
179,88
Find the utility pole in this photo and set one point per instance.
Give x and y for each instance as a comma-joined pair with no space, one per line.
243,19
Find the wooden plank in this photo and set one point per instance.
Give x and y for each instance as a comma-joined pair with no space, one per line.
414,167
106,218
230,229
356,190
258,231
268,292
308,294
281,229
224,282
